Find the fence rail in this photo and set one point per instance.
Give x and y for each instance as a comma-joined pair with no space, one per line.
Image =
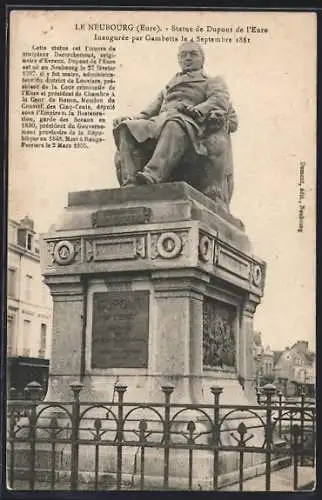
58,443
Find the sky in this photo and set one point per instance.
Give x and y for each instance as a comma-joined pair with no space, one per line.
272,85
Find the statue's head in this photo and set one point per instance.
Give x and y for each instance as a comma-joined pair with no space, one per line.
190,56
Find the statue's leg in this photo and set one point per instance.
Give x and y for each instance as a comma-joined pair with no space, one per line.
170,148
132,158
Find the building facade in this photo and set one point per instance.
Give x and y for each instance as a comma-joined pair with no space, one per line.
295,369
291,370
29,309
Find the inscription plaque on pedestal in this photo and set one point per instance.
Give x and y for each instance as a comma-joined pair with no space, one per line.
120,329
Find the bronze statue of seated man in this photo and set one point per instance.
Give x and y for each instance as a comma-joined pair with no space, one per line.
183,135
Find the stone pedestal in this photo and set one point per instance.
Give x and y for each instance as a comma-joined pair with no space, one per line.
151,285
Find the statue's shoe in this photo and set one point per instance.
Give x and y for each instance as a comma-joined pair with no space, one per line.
129,184
143,178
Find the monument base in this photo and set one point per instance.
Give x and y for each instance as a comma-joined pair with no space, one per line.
151,285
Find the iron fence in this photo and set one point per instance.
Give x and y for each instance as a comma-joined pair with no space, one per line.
118,444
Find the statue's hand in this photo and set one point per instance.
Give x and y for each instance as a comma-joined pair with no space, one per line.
181,107
140,116
189,110
119,120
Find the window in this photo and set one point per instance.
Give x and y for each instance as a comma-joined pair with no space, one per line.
43,335
29,241
26,334
28,289
22,237
11,283
25,239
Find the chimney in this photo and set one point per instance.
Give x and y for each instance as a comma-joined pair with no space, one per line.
27,223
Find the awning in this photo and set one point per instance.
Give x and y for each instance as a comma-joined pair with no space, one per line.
28,361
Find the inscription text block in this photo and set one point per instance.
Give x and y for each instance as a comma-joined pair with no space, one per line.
120,329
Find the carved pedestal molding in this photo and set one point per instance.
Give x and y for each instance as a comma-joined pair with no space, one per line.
250,304
229,263
65,288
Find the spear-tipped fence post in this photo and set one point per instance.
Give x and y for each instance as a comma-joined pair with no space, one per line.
143,426
33,392
280,403
295,431
191,427
269,391
302,422
120,389
216,391
167,390
76,387
13,414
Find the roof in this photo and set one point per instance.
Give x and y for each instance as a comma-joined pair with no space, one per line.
277,355
301,346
